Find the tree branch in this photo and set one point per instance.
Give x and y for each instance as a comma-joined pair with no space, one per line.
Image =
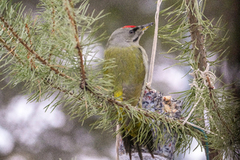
153,116
53,18
32,64
200,51
42,60
196,35
78,46
10,50
198,45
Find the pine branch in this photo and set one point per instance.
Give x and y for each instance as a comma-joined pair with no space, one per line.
10,51
185,21
199,49
46,61
42,60
215,107
197,37
78,46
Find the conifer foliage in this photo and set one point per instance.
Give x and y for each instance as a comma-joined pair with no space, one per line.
209,103
53,54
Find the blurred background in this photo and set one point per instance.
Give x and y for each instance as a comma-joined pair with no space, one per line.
28,132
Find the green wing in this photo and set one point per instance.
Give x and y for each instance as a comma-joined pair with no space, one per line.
129,73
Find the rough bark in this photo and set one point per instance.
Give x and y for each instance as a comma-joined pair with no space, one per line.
199,50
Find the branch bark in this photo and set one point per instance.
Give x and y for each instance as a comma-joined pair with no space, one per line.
199,51
196,35
78,46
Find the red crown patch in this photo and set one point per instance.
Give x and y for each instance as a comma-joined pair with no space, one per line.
130,26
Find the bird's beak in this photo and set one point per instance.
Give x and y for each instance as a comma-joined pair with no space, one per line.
145,26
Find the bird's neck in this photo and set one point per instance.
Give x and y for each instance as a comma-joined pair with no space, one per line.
122,44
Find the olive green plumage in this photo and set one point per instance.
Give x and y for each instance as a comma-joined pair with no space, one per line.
129,79
129,75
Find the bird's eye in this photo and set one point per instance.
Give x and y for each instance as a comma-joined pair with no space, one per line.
131,31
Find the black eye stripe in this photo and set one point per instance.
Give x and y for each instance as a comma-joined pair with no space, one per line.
136,28
133,30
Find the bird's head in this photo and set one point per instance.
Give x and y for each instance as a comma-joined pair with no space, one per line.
127,35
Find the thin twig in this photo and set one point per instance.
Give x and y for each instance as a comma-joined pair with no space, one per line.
117,141
78,46
32,64
193,108
11,50
196,126
62,90
215,107
154,47
28,33
53,18
8,48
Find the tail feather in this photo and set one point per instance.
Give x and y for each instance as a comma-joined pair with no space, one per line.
129,142
139,151
149,144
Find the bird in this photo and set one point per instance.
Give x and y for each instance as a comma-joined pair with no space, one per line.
129,78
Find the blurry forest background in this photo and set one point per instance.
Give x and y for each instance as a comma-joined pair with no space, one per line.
27,132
